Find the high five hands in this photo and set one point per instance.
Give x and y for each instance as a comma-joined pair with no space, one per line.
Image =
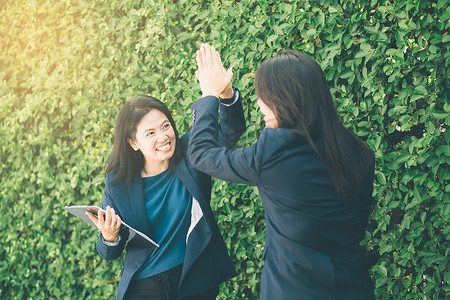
213,78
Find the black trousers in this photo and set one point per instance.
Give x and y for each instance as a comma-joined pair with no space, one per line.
163,286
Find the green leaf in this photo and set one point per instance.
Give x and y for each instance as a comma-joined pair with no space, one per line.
271,39
422,217
421,90
68,68
441,3
440,115
381,178
347,74
382,270
406,222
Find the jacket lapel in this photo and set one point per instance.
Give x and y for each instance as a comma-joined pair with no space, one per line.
188,180
136,200
200,233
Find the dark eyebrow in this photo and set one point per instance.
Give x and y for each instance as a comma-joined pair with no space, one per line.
165,122
152,129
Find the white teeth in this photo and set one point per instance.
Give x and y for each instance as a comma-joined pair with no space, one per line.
163,148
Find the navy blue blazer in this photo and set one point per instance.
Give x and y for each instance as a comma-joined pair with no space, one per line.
206,262
312,240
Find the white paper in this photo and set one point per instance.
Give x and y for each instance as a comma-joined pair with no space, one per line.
80,212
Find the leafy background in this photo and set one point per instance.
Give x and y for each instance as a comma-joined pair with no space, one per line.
67,66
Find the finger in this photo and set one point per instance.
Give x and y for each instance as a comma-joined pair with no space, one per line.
203,53
213,53
113,217
220,62
215,58
118,221
199,61
108,216
229,74
208,56
202,57
101,218
218,55
198,56
92,218
196,74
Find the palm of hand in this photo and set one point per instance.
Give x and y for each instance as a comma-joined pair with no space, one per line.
211,74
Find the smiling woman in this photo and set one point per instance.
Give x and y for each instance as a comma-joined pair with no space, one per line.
155,138
66,67
152,185
142,126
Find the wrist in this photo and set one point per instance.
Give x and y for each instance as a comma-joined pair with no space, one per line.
231,100
228,93
110,244
206,94
111,239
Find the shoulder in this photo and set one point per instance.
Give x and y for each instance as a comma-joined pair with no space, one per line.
120,186
282,148
181,149
184,167
184,139
278,139
109,178
182,144
282,133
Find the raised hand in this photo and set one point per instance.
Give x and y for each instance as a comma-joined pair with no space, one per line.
228,91
211,74
108,223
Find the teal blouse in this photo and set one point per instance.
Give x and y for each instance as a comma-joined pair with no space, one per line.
168,204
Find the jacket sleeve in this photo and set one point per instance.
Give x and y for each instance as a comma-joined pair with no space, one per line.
111,252
231,124
209,156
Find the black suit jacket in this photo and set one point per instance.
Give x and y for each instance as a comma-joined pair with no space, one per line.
312,241
206,262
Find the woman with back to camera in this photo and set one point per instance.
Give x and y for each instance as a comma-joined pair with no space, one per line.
314,177
152,186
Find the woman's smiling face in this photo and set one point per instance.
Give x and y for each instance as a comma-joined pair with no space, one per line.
155,138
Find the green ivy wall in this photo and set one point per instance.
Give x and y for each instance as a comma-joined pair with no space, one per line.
67,66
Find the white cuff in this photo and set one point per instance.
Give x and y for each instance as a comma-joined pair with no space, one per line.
110,244
236,97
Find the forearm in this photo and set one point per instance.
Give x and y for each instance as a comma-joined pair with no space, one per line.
232,120
110,247
208,155
113,250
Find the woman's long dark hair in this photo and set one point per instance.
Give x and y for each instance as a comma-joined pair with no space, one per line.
123,161
293,86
